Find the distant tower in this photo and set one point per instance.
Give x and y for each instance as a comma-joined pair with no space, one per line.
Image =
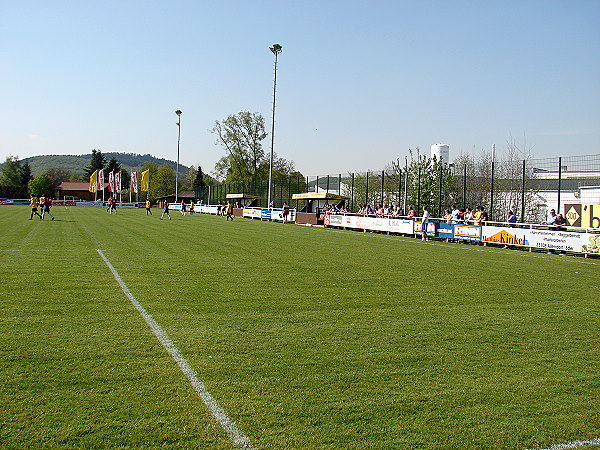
441,152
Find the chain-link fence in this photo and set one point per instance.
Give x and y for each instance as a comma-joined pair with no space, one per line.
527,187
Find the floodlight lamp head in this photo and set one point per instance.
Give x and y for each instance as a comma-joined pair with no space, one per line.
276,49
178,112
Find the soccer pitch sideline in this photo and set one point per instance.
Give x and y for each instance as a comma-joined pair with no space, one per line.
128,331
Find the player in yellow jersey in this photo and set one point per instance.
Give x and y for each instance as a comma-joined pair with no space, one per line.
33,202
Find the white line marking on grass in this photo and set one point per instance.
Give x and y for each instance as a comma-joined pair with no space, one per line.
573,444
238,438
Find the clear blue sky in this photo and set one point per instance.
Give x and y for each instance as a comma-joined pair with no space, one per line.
359,82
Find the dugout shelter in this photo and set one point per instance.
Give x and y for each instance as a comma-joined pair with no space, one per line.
241,201
316,202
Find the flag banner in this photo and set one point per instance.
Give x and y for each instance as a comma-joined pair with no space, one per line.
111,181
133,186
93,181
101,180
118,181
145,181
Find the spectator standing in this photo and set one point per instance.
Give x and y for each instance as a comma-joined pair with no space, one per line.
551,218
424,222
455,214
286,212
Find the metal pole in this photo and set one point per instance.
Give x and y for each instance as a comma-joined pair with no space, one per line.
405,185
276,49
352,191
465,186
440,199
419,190
367,190
399,185
559,183
178,112
327,184
523,195
382,180
492,186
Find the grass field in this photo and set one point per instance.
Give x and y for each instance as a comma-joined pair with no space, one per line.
307,338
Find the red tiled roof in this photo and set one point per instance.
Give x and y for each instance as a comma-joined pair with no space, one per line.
72,186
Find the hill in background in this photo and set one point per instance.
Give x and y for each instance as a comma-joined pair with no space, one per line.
78,163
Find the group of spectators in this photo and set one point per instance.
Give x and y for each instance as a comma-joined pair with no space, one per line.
453,215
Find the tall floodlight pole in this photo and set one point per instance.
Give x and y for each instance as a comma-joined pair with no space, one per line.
276,49
178,112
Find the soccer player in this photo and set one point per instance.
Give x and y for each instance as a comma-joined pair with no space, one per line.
46,207
229,210
166,211
33,202
148,210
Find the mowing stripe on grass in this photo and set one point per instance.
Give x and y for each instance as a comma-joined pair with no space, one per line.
238,438
573,444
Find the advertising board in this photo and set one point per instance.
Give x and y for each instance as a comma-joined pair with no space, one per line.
467,232
445,230
547,239
430,228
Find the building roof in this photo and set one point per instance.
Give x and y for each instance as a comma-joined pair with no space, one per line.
72,186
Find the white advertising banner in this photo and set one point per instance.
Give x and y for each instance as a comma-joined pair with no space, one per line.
547,239
371,223
253,213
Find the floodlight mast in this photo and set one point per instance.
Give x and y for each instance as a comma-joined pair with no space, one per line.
276,49
178,112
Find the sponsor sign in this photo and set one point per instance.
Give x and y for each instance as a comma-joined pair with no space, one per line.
277,214
503,235
265,214
63,203
6,202
430,228
591,243
467,232
251,213
370,223
554,240
547,239
586,215
445,230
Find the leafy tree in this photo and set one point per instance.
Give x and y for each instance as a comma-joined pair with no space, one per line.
98,162
41,185
199,179
186,182
164,181
241,136
113,165
26,174
11,172
59,175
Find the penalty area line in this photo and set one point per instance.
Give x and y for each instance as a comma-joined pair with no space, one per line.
238,438
574,444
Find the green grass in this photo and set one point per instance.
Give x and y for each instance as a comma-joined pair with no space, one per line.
308,338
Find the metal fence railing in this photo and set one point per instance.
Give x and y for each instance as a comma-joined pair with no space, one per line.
527,187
